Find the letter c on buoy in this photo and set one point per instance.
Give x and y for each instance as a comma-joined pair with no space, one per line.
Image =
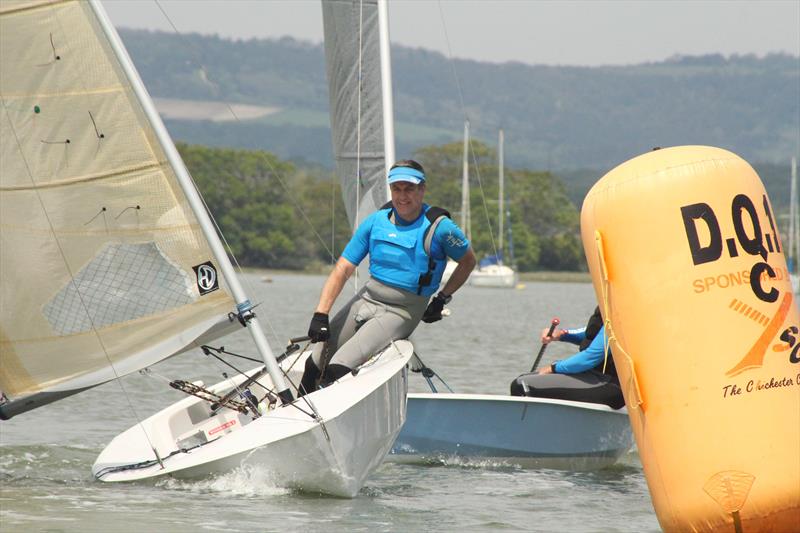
755,282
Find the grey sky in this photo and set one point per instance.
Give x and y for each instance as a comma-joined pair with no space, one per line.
566,32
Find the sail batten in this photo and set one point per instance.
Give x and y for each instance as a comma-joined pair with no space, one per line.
83,179
104,268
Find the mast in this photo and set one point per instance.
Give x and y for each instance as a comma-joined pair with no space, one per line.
243,305
386,88
465,214
500,214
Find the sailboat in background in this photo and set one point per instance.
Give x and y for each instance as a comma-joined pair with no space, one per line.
466,222
491,271
793,250
111,264
466,212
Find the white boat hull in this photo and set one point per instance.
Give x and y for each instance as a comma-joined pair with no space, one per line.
494,276
361,417
530,432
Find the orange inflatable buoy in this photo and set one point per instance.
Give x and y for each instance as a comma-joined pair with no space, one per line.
687,261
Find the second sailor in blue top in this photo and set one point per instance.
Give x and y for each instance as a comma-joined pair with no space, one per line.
408,243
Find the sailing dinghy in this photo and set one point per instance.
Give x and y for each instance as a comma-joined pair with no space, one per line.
520,430
327,442
111,264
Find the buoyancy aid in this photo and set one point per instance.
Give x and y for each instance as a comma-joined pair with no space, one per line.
593,327
400,255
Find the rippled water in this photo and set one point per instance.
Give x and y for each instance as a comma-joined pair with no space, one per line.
490,338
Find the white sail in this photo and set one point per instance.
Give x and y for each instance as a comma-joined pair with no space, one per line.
352,53
103,267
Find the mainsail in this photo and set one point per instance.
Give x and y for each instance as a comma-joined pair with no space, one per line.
352,53
103,267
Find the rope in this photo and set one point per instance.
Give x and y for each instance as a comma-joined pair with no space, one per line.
610,335
273,169
147,464
214,398
207,395
466,117
428,373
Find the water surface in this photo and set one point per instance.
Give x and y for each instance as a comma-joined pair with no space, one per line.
490,338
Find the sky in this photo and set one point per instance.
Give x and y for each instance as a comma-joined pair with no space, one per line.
549,32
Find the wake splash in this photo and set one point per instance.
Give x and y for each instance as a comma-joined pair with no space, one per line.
472,463
245,481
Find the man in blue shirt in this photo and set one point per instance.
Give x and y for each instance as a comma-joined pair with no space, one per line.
587,376
408,243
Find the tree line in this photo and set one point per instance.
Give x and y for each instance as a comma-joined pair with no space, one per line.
282,215
555,117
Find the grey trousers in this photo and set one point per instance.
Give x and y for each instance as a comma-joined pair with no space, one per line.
370,321
591,386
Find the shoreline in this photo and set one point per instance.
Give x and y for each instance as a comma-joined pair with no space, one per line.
538,276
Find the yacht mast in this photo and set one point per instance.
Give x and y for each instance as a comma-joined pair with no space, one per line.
501,195
386,88
465,214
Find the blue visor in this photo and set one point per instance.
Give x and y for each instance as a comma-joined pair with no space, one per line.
411,175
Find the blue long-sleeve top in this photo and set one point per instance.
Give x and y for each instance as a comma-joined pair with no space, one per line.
587,359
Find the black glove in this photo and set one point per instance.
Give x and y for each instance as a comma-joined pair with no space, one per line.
434,311
319,329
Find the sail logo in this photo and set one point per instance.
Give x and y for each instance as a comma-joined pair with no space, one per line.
749,238
206,275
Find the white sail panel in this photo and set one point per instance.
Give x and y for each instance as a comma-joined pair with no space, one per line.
98,245
351,34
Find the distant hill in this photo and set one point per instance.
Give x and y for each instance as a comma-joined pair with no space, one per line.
576,121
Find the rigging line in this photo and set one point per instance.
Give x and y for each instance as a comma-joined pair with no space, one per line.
249,287
359,89
272,168
277,174
238,120
360,82
466,117
483,195
232,381
54,11
267,389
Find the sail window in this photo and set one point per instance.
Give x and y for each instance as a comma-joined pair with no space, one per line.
123,282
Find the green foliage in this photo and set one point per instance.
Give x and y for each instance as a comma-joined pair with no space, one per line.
275,214
545,222
271,213
554,117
